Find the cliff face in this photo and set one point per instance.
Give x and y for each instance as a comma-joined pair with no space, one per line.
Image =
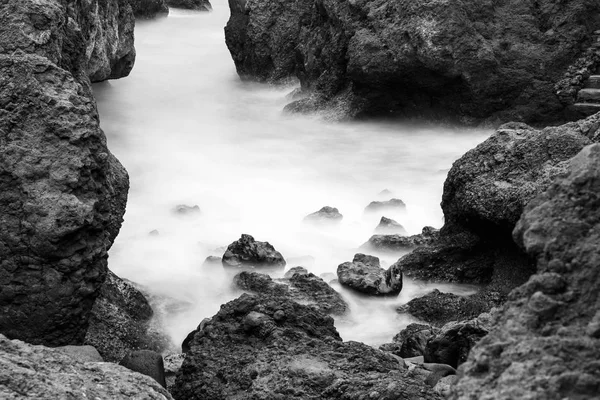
62,193
469,59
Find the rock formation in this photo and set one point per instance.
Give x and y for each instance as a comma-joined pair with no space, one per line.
468,59
388,205
247,252
389,226
365,275
200,5
325,214
149,8
63,193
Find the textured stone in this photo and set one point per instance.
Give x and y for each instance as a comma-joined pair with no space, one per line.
146,362
149,8
365,275
200,5
247,252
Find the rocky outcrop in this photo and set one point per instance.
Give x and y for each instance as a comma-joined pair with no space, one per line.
388,205
268,347
389,226
200,5
122,321
63,193
545,341
466,59
149,8
41,373
398,242
411,341
249,253
365,275
325,214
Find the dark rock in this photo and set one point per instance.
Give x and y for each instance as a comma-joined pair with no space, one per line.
387,226
438,371
293,271
532,352
365,275
325,214
415,58
149,8
146,362
247,252
121,321
398,242
42,373
200,5
183,209
63,193
306,289
172,364
413,339
81,353
298,357
454,341
185,345
389,205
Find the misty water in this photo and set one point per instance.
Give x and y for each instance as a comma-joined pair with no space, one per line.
190,132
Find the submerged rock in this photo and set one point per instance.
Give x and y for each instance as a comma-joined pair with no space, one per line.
42,373
184,209
63,193
325,214
365,275
388,225
265,347
200,5
399,242
247,252
389,205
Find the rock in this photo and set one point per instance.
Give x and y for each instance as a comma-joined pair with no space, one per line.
200,5
452,344
154,232
149,8
399,242
121,321
306,289
183,209
42,373
328,276
437,372
389,205
172,364
414,58
211,261
81,353
443,386
365,275
387,225
325,214
146,362
413,339
293,271
298,357
63,193
530,353
247,252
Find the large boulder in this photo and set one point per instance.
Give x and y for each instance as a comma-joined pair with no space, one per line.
62,193
200,5
42,373
247,252
545,341
469,59
261,347
365,275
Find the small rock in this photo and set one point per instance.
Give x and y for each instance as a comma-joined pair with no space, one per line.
154,232
82,353
247,252
387,225
296,270
212,261
325,214
365,275
392,205
183,209
146,362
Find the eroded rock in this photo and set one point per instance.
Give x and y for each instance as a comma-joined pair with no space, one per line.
365,275
247,252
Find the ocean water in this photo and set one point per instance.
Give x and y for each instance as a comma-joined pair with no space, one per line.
191,133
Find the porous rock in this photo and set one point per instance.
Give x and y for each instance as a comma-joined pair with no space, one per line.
247,252
365,275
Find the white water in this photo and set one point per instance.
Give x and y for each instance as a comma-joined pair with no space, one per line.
189,132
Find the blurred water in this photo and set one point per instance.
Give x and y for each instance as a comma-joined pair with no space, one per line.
189,132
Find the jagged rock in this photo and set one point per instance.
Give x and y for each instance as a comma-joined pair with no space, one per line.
121,321
541,345
325,214
294,271
149,8
411,341
146,362
389,205
172,364
451,345
398,242
201,5
184,209
306,289
63,193
365,275
425,58
42,373
269,347
388,225
247,252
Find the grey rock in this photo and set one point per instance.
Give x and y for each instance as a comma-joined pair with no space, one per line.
247,252
389,205
365,275
325,215
146,362
389,226
200,5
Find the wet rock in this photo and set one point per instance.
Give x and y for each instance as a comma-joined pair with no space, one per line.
412,340
200,5
443,387
183,209
437,372
247,252
365,275
298,357
528,354
293,271
149,8
122,320
306,289
325,214
146,362
42,373
389,205
211,261
387,226
399,242
172,363
63,193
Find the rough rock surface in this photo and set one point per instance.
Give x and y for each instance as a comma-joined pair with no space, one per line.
62,193
149,8
545,342
201,5
146,362
306,289
259,347
41,373
247,252
121,321
411,341
397,242
389,226
365,275
325,214
469,59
